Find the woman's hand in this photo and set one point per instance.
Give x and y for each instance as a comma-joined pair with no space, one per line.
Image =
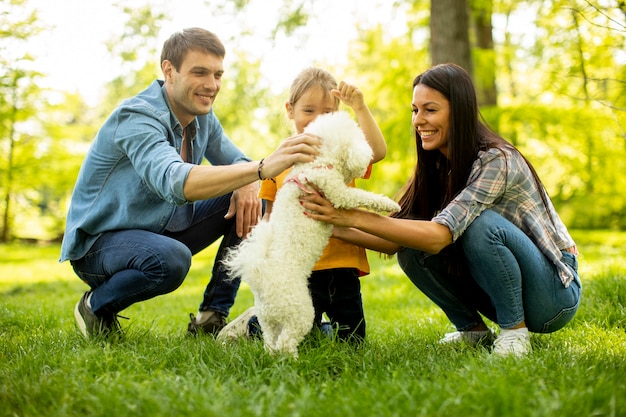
319,208
374,231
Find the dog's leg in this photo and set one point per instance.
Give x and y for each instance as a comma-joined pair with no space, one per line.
294,331
343,196
354,197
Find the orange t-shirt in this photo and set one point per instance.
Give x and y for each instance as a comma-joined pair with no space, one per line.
337,254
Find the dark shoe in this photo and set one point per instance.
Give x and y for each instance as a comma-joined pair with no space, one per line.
211,325
91,325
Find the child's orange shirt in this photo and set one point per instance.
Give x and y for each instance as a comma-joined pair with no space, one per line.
337,254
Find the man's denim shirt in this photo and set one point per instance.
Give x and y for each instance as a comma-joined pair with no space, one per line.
133,175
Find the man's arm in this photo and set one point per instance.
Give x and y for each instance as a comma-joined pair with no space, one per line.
209,181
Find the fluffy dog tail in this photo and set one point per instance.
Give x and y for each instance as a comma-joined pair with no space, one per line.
246,259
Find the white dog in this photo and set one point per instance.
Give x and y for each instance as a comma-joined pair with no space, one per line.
278,256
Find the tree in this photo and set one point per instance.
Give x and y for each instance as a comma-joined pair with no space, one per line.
449,33
136,50
562,103
484,54
42,134
560,96
18,90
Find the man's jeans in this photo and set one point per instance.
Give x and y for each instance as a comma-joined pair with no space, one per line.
508,280
127,266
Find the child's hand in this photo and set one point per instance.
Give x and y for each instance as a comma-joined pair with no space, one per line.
350,95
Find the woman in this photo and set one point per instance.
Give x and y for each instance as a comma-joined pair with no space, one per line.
477,232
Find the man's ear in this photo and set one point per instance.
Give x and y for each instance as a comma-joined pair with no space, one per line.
167,68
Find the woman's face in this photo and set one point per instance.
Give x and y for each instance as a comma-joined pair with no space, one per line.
313,102
431,118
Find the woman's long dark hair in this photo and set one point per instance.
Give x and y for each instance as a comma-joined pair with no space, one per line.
437,179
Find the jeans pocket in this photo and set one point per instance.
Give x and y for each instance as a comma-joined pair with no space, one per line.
561,319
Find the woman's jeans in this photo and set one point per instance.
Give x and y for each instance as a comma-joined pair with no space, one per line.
507,279
127,266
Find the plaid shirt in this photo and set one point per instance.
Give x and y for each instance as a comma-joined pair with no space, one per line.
501,181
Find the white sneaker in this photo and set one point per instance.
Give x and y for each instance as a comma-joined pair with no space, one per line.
238,328
512,342
472,338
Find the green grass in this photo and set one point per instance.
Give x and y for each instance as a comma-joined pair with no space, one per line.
47,369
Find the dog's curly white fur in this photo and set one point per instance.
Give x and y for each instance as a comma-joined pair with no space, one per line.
277,258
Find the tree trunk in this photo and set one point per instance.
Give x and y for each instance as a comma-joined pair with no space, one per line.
484,54
449,33
6,234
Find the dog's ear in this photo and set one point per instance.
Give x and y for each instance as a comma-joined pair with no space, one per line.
350,147
342,141
358,154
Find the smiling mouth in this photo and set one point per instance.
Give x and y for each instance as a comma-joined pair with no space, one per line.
427,133
206,98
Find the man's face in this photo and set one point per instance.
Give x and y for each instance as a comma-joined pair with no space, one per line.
193,89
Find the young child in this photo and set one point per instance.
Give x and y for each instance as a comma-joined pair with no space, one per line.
334,283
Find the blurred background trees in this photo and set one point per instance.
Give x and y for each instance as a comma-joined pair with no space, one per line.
551,76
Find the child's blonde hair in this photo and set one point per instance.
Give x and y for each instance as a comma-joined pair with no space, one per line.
308,78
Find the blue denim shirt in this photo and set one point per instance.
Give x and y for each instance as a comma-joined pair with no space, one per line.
132,176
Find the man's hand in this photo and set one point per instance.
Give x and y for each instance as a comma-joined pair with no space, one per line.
302,148
246,204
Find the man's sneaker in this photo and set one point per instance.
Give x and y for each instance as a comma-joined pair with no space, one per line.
211,325
238,328
472,338
91,325
512,342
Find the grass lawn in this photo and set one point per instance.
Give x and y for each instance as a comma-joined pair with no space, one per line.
48,369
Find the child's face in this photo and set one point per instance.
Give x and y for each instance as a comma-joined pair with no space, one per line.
313,102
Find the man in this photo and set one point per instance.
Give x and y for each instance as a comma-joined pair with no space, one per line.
143,205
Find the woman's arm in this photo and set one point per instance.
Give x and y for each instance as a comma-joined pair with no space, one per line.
365,240
377,232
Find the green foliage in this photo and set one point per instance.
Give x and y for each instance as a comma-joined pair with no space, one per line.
401,371
560,78
575,172
18,110
69,126
384,70
251,116
135,49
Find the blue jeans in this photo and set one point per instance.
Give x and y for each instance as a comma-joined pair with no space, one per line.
507,279
127,266
337,292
